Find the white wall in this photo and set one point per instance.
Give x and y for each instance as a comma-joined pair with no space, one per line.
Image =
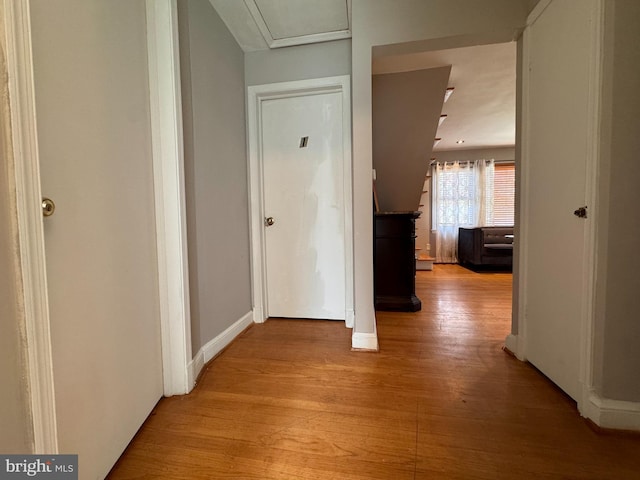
213,95
386,22
301,62
617,299
15,422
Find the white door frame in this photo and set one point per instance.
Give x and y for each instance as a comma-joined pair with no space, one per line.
518,343
169,186
256,95
166,117
30,227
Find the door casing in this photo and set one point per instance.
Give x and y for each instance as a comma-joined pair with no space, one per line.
256,95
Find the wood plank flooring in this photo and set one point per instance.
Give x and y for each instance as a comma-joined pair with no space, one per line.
441,400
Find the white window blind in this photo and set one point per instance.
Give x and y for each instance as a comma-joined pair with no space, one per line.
504,191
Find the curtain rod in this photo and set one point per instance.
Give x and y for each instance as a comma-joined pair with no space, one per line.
433,162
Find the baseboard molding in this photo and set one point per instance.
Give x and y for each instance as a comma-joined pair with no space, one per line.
215,346
613,414
364,341
512,343
350,318
258,315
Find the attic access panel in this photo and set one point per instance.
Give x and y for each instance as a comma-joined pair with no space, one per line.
294,22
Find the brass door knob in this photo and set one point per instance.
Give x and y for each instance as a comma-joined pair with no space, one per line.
48,207
269,221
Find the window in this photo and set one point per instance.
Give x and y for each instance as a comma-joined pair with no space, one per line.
457,196
469,194
504,191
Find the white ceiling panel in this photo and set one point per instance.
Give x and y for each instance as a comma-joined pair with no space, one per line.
262,24
287,18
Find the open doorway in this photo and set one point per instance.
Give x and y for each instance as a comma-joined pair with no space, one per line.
476,122
474,130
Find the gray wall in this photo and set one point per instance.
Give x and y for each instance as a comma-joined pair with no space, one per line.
15,424
406,109
213,95
301,62
618,302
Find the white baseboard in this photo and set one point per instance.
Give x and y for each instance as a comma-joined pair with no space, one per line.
512,343
364,341
215,346
350,318
615,414
258,316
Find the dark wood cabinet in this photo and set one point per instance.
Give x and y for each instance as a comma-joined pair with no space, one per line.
394,261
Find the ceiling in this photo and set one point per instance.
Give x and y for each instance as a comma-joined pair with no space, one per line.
262,24
481,110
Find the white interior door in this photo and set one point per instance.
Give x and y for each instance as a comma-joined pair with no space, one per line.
303,184
559,43
92,102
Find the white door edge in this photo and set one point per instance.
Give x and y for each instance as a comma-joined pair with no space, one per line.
586,334
30,226
596,73
169,187
255,96
523,271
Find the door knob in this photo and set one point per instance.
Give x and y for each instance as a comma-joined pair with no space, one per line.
581,212
269,221
48,207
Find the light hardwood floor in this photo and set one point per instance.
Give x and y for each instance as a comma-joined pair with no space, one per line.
441,400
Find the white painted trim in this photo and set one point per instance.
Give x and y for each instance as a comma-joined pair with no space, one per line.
514,343
168,170
30,227
596,72
212,348
616,414
511,343
351,317
256,95
195,366
348,202
364,341
300,40
523,267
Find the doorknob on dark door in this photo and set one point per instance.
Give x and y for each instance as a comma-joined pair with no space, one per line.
48,207
268,221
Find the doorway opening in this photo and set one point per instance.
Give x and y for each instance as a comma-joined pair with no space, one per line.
320,153
477,122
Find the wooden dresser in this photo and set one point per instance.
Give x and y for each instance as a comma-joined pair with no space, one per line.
394,261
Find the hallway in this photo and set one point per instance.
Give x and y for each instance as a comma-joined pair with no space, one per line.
441,400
